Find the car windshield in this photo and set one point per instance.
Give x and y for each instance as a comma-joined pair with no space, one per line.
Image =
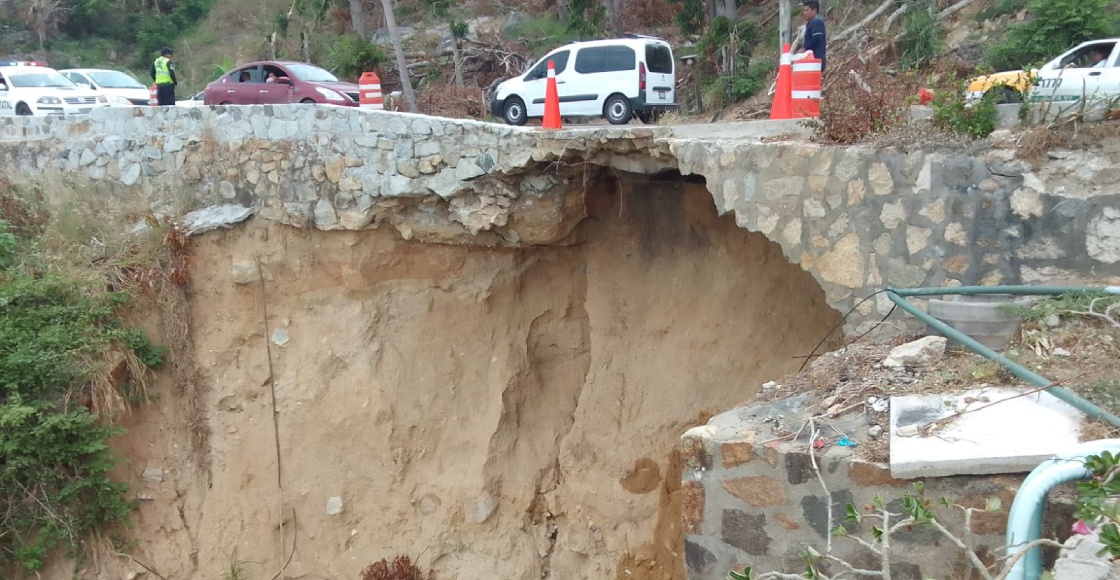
115,80
40,79
311,73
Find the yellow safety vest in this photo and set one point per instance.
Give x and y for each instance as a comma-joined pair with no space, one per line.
163,71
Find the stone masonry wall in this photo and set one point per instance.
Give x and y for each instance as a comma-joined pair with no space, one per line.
752,498
857,219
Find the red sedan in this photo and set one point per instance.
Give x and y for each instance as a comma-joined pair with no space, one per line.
280,83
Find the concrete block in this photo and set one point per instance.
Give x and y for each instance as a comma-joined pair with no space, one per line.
1013,436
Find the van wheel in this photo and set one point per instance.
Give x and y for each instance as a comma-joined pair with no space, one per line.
514,111
23,109
617,110
307,102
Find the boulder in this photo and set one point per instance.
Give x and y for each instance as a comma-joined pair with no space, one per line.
922,352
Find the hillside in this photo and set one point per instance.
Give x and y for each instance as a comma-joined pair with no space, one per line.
738,43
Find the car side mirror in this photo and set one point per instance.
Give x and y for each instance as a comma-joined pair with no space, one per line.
283,80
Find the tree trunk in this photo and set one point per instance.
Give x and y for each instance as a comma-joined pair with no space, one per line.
402,66
784,36
457,58
357,18
728,9
613,9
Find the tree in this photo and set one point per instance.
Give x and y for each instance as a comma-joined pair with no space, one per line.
459,30
357,17
402,65
44,16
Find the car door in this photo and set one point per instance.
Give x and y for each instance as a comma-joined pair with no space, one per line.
603,71
536,83
660,80
241,88
1073,76
273,93
7,107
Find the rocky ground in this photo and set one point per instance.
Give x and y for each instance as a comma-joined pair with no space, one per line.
1082,353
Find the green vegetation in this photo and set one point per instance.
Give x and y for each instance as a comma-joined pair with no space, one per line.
353,56
951,112
1097,502
585,18
1001,8
57,338
1056,26
542,33
921,37
690,19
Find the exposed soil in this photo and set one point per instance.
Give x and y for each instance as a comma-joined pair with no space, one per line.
506,414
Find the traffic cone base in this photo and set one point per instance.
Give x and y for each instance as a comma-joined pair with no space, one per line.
551,101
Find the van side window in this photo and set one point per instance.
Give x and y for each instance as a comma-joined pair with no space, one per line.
659,59
605,59
560,60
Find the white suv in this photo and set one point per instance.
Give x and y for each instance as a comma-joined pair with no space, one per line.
618,79
30,88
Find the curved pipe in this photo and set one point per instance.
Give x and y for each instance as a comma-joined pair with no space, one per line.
1024,521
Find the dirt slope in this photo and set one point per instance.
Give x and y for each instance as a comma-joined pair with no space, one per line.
495,414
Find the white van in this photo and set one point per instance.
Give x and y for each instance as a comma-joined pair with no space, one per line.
618,79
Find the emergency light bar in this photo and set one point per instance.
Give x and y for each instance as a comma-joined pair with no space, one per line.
22,63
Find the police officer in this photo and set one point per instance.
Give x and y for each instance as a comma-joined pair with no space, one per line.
163,72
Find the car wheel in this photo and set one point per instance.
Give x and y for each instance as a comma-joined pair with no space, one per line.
1007,96
617,110
307,102
514,111
23,109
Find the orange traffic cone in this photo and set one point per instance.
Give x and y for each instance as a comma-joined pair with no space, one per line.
551,101
369,97
153,95
783,92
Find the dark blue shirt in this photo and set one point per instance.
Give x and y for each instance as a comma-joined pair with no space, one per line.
815,38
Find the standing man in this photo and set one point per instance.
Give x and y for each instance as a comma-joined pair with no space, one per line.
814,31
163,72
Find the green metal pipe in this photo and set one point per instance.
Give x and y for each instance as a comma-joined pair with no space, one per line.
899,298
1014,290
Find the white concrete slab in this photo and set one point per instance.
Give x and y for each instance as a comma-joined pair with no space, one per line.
1013,436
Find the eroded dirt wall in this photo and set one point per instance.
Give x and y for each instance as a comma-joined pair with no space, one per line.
495,414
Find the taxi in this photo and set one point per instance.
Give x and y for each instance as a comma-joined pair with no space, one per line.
33,88
1090,70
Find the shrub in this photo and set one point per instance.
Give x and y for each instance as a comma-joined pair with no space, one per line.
951,112
1057,26
921,38
56,337
353,56
1000,8
585,18
860,105
691,17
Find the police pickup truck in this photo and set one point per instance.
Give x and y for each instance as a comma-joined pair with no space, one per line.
31,88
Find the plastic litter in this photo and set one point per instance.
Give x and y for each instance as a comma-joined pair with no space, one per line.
845,442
